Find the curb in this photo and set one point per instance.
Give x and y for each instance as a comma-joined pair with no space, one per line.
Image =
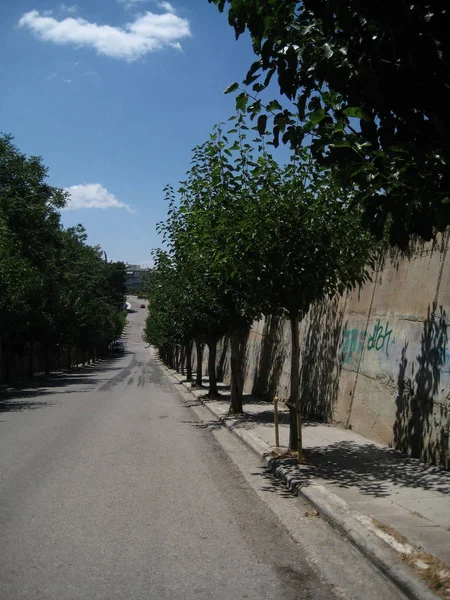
348,521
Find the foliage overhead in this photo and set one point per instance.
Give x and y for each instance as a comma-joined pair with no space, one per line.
368,88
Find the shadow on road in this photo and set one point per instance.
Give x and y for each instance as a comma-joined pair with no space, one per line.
24,395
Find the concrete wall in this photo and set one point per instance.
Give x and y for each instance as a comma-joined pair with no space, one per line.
376,360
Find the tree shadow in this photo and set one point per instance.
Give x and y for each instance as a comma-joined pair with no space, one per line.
375,471
23,394
266,417
273,485
422,422
271,359
222,363
320,367
417,248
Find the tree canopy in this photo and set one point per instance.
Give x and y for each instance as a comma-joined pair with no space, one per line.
368,88
249,237
55,289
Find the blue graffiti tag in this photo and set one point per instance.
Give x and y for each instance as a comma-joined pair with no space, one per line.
353,341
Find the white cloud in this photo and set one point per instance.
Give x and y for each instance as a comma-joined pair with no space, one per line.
166,6
131,3
69,9
93,195
147,33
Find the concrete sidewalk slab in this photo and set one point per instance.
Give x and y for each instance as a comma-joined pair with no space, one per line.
376,496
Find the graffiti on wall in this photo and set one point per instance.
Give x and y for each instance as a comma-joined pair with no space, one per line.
352,344
354,341
380,338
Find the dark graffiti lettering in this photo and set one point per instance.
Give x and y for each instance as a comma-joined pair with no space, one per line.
380,339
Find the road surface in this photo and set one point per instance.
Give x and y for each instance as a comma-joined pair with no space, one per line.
112,487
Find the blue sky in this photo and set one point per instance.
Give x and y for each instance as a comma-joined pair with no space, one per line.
113,94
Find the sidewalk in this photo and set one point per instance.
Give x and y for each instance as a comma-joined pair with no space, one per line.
368,491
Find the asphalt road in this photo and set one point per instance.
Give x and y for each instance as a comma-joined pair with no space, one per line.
112,487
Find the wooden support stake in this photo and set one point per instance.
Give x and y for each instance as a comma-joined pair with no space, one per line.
275,418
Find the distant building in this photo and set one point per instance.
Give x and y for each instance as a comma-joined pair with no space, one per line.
134,275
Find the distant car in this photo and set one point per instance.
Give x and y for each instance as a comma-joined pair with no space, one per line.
142,305
118,347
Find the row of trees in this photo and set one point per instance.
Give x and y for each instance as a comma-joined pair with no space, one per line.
364,89
55,290
248,237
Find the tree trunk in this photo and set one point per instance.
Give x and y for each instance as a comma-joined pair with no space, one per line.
189,361
237,342
170,357
7,354
294,400
30,359
199,348
213,392
3,363
182,356
69,357
46,360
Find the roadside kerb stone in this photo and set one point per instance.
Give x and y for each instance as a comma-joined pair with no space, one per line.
350,522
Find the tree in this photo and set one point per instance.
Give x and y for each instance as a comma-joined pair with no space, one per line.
368,88
311,246
91,293
209,229
54,288
29,209
18,282
263,238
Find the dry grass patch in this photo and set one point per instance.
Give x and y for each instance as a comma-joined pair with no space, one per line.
432,570
398,537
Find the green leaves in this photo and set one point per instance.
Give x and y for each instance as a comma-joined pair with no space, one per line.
231,88
53,285
274,105
241,101
254,236
317,116
354,59
356,112
262,122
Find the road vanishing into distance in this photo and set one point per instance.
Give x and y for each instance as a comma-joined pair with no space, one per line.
116,485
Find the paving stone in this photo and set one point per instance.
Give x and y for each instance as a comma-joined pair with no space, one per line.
435,509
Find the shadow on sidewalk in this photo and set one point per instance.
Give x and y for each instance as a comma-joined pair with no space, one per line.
373,470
